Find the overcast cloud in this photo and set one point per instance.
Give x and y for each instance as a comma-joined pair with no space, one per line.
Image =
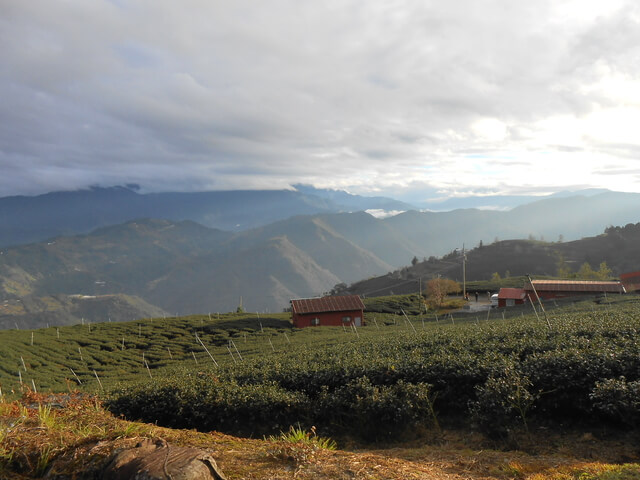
411,99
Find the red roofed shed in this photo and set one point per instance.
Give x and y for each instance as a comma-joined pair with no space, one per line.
507,297
572,288
327,311
631,281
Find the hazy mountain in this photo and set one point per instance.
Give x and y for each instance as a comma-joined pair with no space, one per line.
31,219
352,202
264,277
499,202
183,267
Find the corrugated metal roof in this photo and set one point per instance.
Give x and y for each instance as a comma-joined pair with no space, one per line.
585,286
631,281
512,293
337,303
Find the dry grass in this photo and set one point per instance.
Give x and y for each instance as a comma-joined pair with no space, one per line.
76,434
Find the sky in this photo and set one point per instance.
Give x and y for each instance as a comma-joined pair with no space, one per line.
415,100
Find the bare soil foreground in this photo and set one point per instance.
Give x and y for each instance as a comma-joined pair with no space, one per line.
73,437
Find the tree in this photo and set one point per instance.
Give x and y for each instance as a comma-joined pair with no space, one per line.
495,277
586,272
414,261
339,289
439,288
562,269
604,272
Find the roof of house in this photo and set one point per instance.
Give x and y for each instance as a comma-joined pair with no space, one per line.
327,304
576,286
512,293
631,281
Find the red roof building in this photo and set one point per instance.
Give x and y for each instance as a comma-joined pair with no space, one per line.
548,289
631,281
508,297
327,311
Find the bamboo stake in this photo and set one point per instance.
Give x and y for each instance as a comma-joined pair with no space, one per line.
237,351
80,352
74,374
148,369
270,343
20,377
170,356
34,386
540,302
23,364
207,350
374,321
407,319
32,339
98,378
231,353
194,356
533,305
287,337
355,330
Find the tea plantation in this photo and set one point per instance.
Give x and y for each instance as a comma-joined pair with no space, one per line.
250,375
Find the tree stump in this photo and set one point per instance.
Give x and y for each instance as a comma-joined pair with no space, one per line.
157,460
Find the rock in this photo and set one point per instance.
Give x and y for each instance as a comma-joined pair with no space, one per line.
157,460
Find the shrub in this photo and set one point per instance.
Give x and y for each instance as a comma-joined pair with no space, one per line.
618,400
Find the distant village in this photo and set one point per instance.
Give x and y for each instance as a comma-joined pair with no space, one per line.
348,310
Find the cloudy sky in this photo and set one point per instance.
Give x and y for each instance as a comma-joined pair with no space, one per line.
411,99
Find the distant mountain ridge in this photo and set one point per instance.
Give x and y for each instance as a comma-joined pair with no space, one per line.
184,267
32,219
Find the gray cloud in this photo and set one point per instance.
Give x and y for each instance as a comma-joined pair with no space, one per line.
389,96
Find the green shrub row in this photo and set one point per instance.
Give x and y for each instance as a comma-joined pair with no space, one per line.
497,376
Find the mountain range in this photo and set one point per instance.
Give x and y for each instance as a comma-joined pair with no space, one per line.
32,219
180,266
